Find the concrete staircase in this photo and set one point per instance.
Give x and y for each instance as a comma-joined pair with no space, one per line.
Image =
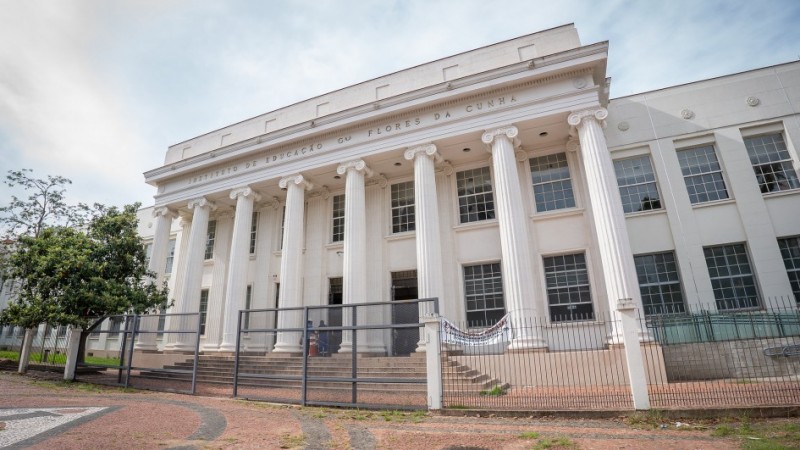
284,371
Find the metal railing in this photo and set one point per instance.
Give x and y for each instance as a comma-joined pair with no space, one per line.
717,358
123,350
698,359
359,355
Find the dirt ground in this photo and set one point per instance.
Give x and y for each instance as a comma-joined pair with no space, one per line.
115,418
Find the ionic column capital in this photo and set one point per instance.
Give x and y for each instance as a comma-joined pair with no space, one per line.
428,150
579,117
378,180
297,179
223,214
489,136
446,168
322,192
165,212
357,164
202,202
573,144
244,191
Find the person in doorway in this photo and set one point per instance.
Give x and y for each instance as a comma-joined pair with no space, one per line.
322,339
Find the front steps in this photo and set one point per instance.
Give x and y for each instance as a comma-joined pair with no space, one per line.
285,371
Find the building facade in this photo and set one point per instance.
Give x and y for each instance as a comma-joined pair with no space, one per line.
501,181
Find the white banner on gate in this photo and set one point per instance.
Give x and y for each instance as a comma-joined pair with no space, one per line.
497,333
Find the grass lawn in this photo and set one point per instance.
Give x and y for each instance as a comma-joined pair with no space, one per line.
59,358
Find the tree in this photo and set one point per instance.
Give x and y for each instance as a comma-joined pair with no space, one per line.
67,276
44,206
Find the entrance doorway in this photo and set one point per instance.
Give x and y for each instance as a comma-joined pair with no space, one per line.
404,287
334,338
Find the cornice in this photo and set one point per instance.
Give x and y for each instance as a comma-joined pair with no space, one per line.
538,71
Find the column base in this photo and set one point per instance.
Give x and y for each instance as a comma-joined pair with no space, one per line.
287,348
146,347
226,347
527,344
179,348
369,351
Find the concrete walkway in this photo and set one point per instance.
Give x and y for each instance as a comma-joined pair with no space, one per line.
46,414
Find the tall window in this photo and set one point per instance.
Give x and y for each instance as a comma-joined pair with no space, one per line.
659,283
568,292
210,238
702,174
203,310
338,218
772,163
148,253
731,277
248,300
475,199
116,324
637,184
170,256
552,187
403,213
790,250
483,289
283,226
253,231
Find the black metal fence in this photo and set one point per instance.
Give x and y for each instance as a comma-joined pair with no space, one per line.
128,351
576,371
726,359
48,348
701,358
362,355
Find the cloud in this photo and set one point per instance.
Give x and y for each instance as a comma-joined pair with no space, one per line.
57,107
96,91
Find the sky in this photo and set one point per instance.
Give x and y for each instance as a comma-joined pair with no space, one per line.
97,90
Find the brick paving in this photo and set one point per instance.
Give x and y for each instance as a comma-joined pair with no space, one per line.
147,419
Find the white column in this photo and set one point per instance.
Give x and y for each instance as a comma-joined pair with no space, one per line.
291,294
355,246
608,217
158,261
179,274
189,296
516,265
375,199
263,294
215,311
236,289
429,249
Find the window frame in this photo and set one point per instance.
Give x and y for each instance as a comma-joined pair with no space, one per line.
487,321
337,220
700,175
211,237
717,288
254,232
792,266
402,210
592,315
170,260
747,140
638,185
666,308
569,180
459,197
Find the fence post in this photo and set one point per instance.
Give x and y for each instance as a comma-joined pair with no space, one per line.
25,351
433,360
73,347
633,353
